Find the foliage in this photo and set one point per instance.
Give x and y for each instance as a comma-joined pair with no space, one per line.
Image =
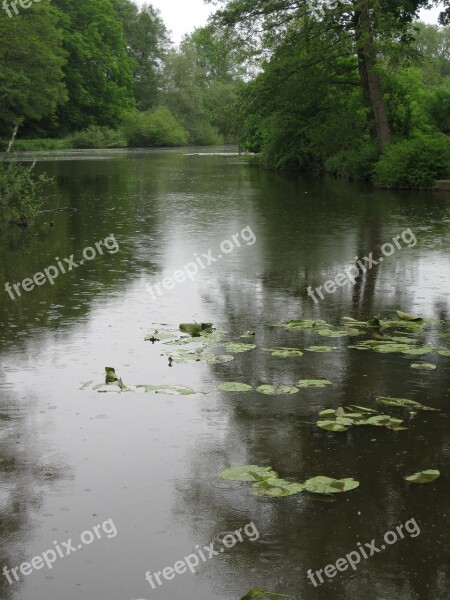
98,137
154,128
414,163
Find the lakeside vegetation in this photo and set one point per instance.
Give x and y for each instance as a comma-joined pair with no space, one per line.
358,89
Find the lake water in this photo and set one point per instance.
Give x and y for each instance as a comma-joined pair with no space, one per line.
71,459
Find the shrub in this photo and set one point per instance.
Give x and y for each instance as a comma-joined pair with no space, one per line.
438,108
154,128
355,163
204,134
97,137
414,163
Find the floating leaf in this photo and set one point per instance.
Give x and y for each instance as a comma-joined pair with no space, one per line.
327,411
320,383
235,387
304,324
331,426
407,317
195,329
86,385
327,485
110,375
237,347
217,359
424,367
284,352
277,488
404,403
248,473
444,352
321,348
278,390
338,333
171,390
260,594
362,408
423,476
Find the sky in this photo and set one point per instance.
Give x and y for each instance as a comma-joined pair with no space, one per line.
182,16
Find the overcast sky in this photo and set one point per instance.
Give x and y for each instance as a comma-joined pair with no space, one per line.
182,16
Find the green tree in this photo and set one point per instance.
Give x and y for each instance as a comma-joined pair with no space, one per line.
31,65
99,72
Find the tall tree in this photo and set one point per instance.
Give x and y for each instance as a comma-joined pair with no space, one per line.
31,65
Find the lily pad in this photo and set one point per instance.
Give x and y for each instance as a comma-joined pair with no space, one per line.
304,324
407,317
284,352
276,488
444,352
321,348
327,485
329,425
171,390
260,594
235,387
338,333
237,347
319,383
423,367
404,403
248,473
272,390
195,329
423,476
217,359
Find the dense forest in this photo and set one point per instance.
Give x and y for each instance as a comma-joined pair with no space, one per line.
358,89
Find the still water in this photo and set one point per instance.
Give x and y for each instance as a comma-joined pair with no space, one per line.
71,459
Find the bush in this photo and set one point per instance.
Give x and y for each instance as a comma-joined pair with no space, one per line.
20,192
414,163
97,137
438,108
154,128
356,163
204,134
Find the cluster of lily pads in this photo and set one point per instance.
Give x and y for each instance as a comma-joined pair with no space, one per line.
115,384
342,419
273,390
267,482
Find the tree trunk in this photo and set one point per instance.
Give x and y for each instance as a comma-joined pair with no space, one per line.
369,78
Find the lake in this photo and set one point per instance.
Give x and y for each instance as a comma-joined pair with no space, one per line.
148,463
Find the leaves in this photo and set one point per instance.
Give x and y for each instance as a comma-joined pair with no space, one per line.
404,403
194,329
260,594
237,347
284,352
423,367
321,348
234,387
248,473
110,375
272,390
423,476
319,383
341,421
444,352
327,485
407,317
276,488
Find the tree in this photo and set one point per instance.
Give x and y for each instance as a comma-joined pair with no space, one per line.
98,73
31,65
147,42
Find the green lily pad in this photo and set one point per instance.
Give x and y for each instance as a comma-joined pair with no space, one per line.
404,403
362,408
338,333
423,476
171,390
284,352
329,425
327,485
260,594
320,383
407,317
111,376
321,348
272,390
217,359
305,324
444,352
234,387
237,347
248,473
423,367
276,488
195,329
